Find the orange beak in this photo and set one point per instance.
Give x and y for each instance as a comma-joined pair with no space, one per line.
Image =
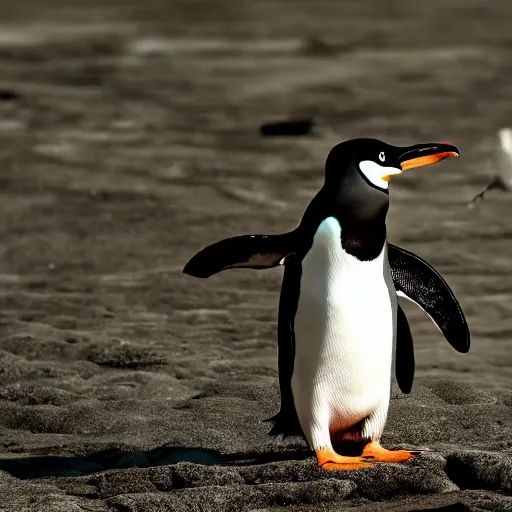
427,154
421,161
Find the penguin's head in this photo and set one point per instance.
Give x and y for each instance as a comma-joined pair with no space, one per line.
358,171
377,162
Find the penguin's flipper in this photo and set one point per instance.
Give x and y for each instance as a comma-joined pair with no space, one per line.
246,251
417,281
404,359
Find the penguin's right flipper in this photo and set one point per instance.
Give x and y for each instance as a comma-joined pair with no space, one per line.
246,251
416,280
404,359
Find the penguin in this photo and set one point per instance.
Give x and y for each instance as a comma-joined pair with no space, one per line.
340,327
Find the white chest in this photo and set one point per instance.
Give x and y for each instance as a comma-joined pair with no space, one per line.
344,326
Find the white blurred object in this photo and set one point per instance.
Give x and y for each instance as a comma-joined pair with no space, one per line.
502,165
504,159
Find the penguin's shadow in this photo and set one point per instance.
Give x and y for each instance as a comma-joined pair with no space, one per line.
27,468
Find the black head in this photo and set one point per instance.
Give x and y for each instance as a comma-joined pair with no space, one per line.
357,176
358,172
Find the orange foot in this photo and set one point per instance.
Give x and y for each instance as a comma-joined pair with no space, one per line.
329,459
380,454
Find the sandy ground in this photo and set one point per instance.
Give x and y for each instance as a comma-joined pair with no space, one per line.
129,140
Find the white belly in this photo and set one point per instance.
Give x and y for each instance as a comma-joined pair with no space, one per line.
344,334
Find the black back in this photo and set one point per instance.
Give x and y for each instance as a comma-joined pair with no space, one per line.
286,421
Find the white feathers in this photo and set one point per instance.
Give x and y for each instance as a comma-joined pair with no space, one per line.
376,173
344,332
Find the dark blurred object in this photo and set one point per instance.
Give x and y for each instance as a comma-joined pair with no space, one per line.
7,95
495,184
502,166
317,46
292,127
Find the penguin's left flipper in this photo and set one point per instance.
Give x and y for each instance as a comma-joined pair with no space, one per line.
404,359
246,251
417,281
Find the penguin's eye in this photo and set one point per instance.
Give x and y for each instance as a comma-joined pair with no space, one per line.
382,156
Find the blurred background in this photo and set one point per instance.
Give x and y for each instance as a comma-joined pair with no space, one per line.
130,139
